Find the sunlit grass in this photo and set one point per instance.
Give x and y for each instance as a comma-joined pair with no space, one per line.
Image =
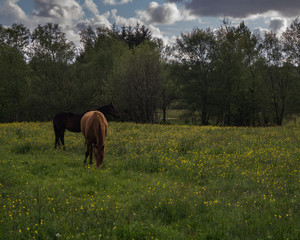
157,182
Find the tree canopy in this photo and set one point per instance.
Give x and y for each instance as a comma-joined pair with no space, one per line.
227,76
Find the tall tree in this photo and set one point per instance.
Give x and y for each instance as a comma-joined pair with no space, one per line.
102,50
291,41
16,36
51,56
14,42
291,44
134,36
197,51
137,82
276,75
13,83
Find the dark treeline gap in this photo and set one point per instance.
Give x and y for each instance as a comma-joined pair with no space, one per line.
227,76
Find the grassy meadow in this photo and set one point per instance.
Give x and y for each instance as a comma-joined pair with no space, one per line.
157,182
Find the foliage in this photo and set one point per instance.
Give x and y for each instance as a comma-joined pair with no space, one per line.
13,83
139,77
197,51
228,76
239,79
160,182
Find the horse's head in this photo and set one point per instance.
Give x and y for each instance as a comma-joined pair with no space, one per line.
100,155
113,111
109,109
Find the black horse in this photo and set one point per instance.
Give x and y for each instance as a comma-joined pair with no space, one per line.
71,122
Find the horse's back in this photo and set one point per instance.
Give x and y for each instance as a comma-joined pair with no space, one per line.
67,120
93,123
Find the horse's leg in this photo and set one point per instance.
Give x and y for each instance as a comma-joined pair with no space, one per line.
86,153
62,138
56,140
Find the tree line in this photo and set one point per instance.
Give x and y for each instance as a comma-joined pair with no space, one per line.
226,76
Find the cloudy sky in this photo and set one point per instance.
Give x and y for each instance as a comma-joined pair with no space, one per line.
165,18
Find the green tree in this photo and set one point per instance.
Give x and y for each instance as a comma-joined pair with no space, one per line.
16,36
276,75
137,82
102,51
169,91
14,71
196,50
134,36
13,83
237,79
51,57
291,45
229,75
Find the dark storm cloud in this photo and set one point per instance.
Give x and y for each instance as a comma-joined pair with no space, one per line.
241,8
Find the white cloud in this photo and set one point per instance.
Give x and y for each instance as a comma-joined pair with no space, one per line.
97,20
260,31
57,9
124,21
72,17
155,31
277,25
10,12
91,6
94,22
115,2
167,13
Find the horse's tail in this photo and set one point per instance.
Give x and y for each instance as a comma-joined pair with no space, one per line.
100,130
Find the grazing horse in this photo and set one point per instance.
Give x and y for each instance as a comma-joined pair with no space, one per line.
71,122
94,129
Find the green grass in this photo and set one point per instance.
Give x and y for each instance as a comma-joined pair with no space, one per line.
157,182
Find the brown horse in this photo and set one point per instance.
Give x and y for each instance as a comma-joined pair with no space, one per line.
94,129
71,122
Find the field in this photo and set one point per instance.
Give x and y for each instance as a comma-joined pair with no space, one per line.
157,182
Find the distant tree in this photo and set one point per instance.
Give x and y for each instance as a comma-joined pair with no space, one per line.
14,71
88,37
51,57
237,80
16,36
50,44
196,50
228,75
134,36
291,45
97,63
137,82
14,74
276,75
169,89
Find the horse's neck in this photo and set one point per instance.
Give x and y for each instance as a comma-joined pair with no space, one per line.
102,109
